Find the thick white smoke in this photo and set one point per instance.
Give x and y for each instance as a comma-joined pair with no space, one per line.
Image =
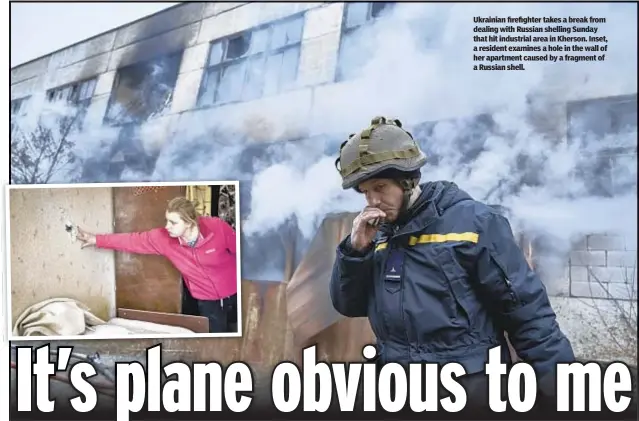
420,69
416,84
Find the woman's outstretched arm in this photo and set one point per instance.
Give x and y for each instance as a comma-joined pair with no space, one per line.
147,242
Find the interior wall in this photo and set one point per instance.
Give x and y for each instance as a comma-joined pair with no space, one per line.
45,263
145,282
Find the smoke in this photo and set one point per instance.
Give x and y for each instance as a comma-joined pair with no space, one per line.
503,136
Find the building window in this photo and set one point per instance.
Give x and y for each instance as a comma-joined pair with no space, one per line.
143,90
18,106
601,117
359,42
78,94
18,109
357,14
260,62
609,128
356,45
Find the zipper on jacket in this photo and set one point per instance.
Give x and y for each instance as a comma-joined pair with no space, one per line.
380,297
402,290
385,325
509,285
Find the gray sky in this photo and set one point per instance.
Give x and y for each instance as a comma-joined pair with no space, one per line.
38,29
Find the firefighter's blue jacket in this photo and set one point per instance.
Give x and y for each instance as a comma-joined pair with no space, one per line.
446,285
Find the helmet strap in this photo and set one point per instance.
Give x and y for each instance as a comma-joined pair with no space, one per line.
408,185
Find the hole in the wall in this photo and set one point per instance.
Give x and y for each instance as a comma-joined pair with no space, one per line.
238,46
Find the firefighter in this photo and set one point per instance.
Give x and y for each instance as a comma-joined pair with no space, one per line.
438,274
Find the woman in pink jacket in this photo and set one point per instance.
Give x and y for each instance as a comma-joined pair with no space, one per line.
202,248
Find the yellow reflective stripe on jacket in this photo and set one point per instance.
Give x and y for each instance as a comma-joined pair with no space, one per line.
442,238
381,246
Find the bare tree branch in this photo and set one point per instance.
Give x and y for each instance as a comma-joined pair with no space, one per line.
40,154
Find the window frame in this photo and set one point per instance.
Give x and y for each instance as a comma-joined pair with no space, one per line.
606,155
574,107
174,57
72,98
75,88
19,112
262,56
346,31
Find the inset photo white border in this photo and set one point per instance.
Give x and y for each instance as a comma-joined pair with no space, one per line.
9,258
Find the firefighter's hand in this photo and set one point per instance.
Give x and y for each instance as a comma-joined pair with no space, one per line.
86,238
363,231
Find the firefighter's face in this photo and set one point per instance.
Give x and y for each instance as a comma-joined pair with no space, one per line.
385,194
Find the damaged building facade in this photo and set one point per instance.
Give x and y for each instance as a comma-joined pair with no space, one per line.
232,64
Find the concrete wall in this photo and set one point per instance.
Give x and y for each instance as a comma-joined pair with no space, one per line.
191,27
603,266
45,263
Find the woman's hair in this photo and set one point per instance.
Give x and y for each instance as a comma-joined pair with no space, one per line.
185,208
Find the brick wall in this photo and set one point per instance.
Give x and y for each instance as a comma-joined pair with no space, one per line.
603,266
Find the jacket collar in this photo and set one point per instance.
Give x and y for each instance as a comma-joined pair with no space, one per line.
203,235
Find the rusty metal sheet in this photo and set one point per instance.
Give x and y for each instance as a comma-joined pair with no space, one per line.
145,282
310,310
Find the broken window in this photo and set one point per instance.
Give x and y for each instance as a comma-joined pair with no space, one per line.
608,127
18,106
358,44
78,95
260,62
18,109
143,90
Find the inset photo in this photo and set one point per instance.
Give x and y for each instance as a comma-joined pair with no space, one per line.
151,260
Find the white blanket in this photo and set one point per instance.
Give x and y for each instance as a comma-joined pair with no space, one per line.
69,317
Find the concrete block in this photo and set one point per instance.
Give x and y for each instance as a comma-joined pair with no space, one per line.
270,12
167,43
25,88
105,83
622,258
318,60
230,22
588,290
96,112
605,242
194,58
31,69
588,258
323,20
77,72
580,243
83,51
623,291
610,274
186,91
215,8
557,286
165,21
578,274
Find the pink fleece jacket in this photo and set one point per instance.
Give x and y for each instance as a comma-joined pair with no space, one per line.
209,269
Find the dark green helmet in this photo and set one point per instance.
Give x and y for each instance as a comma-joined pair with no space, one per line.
383,146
